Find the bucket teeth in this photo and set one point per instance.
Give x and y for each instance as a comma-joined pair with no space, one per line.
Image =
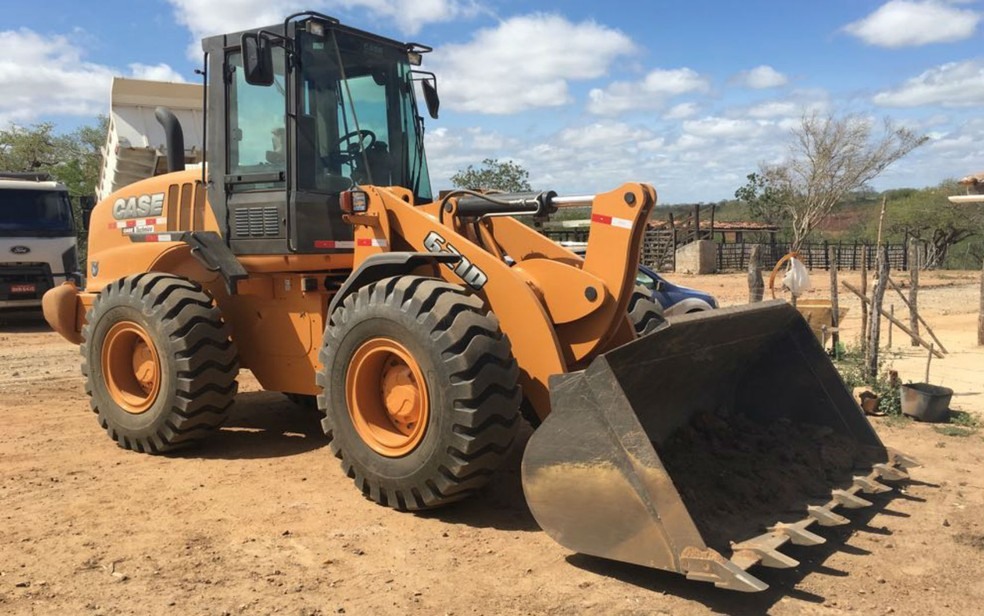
797,534
889,472
709,566
901,460
767,556
870,486
849,500
826,517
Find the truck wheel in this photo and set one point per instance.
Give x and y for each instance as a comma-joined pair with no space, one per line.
159,365
420,394
645,314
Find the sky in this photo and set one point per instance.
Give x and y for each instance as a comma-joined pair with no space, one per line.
585,95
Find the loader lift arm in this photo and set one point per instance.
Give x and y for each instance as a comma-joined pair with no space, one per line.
557,309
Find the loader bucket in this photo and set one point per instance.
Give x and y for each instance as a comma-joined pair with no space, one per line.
727,432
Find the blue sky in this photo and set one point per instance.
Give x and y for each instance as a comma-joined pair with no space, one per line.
690,96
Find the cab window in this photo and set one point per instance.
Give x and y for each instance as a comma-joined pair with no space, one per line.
257,125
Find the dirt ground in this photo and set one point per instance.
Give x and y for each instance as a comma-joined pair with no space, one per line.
261,520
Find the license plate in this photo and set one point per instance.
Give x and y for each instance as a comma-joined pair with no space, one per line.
23,288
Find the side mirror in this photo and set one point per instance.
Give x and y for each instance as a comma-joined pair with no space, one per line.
86,204
257,59
433,101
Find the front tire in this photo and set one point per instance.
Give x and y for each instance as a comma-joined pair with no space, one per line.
645,314
160,367
420,392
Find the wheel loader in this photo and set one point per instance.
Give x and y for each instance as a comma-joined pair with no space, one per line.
310,249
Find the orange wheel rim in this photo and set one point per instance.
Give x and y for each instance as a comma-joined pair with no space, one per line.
131,367
387,397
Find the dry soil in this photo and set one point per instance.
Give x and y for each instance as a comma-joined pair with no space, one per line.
261,520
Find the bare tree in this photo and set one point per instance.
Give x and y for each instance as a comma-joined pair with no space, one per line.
830,157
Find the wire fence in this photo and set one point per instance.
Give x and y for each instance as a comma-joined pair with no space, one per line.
659,247
847,256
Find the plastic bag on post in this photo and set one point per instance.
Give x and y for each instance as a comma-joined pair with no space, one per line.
797,278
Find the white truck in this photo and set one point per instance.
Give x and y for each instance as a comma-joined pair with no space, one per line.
135,145
38,246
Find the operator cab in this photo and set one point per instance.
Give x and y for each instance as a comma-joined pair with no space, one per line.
311,108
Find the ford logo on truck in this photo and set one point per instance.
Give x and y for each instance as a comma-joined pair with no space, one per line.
20,250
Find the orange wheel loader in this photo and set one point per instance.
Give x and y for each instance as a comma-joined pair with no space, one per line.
310,249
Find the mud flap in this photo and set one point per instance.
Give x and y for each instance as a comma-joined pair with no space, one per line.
660,444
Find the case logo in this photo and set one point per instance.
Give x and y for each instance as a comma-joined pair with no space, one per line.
139,207
20,250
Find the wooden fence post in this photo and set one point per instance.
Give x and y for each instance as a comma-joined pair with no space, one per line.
756,286
834,304
914,265
876,310
980,315
891,312
864,293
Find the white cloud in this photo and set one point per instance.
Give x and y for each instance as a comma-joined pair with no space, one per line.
47,75
681,111
773,109
451,150
598,135
693,160
42,75
957,84
208,17
656,87
761,77
525,62
907,23
723,128
155,72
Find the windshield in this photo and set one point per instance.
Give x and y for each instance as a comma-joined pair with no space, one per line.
357,120
35,212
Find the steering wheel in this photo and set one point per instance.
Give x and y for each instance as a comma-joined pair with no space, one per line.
354,142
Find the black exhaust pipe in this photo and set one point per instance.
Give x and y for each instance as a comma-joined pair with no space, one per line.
173,139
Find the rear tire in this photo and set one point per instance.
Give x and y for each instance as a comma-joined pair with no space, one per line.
160,367
457,377
645,314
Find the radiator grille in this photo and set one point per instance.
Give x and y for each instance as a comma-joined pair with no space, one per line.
256,222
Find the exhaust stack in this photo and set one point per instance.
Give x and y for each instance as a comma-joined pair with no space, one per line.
174,138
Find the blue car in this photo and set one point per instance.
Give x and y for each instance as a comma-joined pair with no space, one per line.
673,298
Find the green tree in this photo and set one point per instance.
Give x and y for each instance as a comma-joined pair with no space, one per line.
928,216
494,174
764,199
73,159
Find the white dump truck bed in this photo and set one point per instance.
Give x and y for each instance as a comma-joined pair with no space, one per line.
135,145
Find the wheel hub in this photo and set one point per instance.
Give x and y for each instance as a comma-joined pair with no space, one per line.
131,367
387,397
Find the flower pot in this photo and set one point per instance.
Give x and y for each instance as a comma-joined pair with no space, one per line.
926,402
